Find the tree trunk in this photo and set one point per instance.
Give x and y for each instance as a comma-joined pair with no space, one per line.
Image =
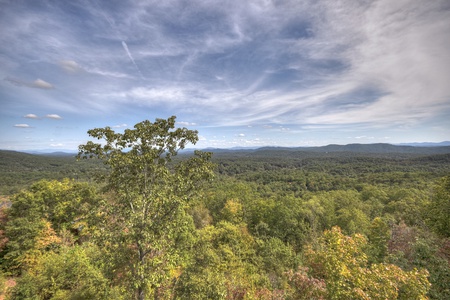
140,289
141,295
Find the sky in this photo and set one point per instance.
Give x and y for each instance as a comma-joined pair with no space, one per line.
243,73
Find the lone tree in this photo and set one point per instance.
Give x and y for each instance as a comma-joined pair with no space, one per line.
147,197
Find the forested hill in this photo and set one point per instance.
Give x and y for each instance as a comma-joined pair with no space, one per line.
18,169
379,148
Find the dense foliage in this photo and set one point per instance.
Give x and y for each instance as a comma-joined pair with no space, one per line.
273,224
19,170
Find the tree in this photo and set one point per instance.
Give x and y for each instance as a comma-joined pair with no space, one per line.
438,210
379,235
222,266
40,215
232,212
412,247
148,195
275,259
70,273
340,261
303,287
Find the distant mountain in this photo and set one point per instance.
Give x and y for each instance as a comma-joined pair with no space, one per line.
369,148
51,152
59,154
380,148
425,144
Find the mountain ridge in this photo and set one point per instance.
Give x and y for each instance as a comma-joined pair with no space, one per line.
379,148
413,148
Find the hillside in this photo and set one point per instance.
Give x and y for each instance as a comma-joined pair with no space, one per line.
380,148
18,169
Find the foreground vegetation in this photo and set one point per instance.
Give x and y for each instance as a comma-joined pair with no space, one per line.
269,224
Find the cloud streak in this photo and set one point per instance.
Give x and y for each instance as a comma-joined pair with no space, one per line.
125,47
38,83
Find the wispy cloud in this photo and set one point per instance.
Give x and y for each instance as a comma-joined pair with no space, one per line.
171,95
337,55
57,145
401,52
41,84
38,83
120,126
183,123
108,73
125,47
53,116
70,66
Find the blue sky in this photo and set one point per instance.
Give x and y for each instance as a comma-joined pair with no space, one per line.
242,73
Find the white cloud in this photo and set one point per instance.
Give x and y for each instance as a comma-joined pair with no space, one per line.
22,126
120,126
31,116
53,116
183,123
150,96
401,49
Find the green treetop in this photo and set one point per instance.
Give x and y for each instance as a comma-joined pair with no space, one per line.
148,196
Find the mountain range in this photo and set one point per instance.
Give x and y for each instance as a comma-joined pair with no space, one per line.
413,148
